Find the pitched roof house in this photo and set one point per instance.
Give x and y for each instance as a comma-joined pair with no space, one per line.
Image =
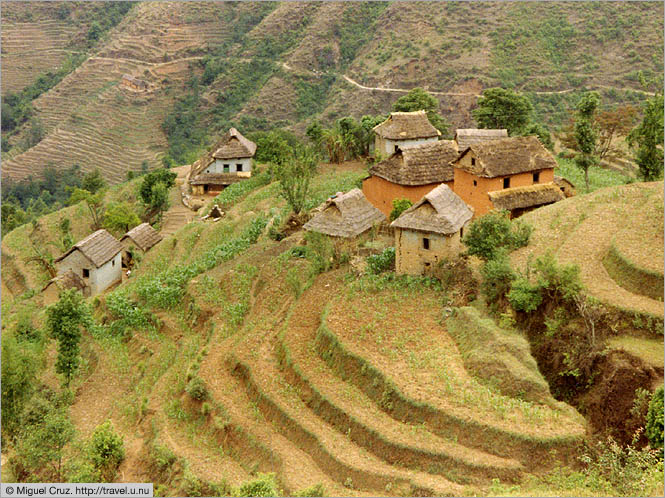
227,162
410,173
502,164
142,236
403,129
346,215
430,231
471,136
96,259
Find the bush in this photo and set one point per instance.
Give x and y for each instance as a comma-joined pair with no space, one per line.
399,206
524,296
107,450
497,278
265,485
196,388
654,428
315,490
491,232
381,262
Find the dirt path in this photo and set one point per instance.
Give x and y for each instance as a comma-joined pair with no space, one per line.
178,215
138,61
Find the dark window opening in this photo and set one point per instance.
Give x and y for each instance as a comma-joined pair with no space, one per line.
536,177
475,183
425,243
226,168
396,148
506,182
113,262
86,273
239,167
473,161
461,232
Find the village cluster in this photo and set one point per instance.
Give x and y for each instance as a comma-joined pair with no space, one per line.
449,182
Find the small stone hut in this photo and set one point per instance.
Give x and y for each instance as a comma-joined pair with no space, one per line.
403,129
229,161
430,231
133,83
68,280
499,165
410,173
466,137
138,240
565,185
345,215
96,259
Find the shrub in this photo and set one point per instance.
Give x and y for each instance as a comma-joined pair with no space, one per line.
265,485
196,388
654,428
106,450
381,262
491,232
315,490
399,206
524,296
162,458
497,278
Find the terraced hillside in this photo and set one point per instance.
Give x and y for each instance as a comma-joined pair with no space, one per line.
363,385
286,64
587,229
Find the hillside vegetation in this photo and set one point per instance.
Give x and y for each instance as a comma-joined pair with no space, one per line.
260,65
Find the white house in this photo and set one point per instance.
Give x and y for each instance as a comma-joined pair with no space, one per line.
403,129
97,259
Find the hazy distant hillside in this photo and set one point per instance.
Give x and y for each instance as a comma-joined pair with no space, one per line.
259,65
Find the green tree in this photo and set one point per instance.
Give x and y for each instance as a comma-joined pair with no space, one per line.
64,321
542,133
107,450
315,132
585,134
120,217
647,138
654,428
93,181
488,234
399,206
500,108
271,147
44,443
19,370
295,176
163,176
94,202
419,100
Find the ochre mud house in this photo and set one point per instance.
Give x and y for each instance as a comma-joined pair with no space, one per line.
410,173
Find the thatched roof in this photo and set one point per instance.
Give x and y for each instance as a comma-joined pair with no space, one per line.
143,235
406,126
528,196
99,247
508,156
469,136
565,185
346,215
233,145
419,165
441,211
216,179
136,81
68,280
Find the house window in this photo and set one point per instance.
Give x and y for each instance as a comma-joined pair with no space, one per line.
473,161
536,177
506,182
396,148
461,232
238,166
425,243
86,273
113,262
475,183
227,167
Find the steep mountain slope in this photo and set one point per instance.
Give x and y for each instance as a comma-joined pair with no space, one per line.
287,63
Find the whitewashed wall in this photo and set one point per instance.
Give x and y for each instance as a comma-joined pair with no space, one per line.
218,166
100,278
387,146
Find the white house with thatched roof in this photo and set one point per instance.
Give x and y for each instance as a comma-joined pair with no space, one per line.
430,231
96,259
229,161
68,280
137,241
403,129
345,215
